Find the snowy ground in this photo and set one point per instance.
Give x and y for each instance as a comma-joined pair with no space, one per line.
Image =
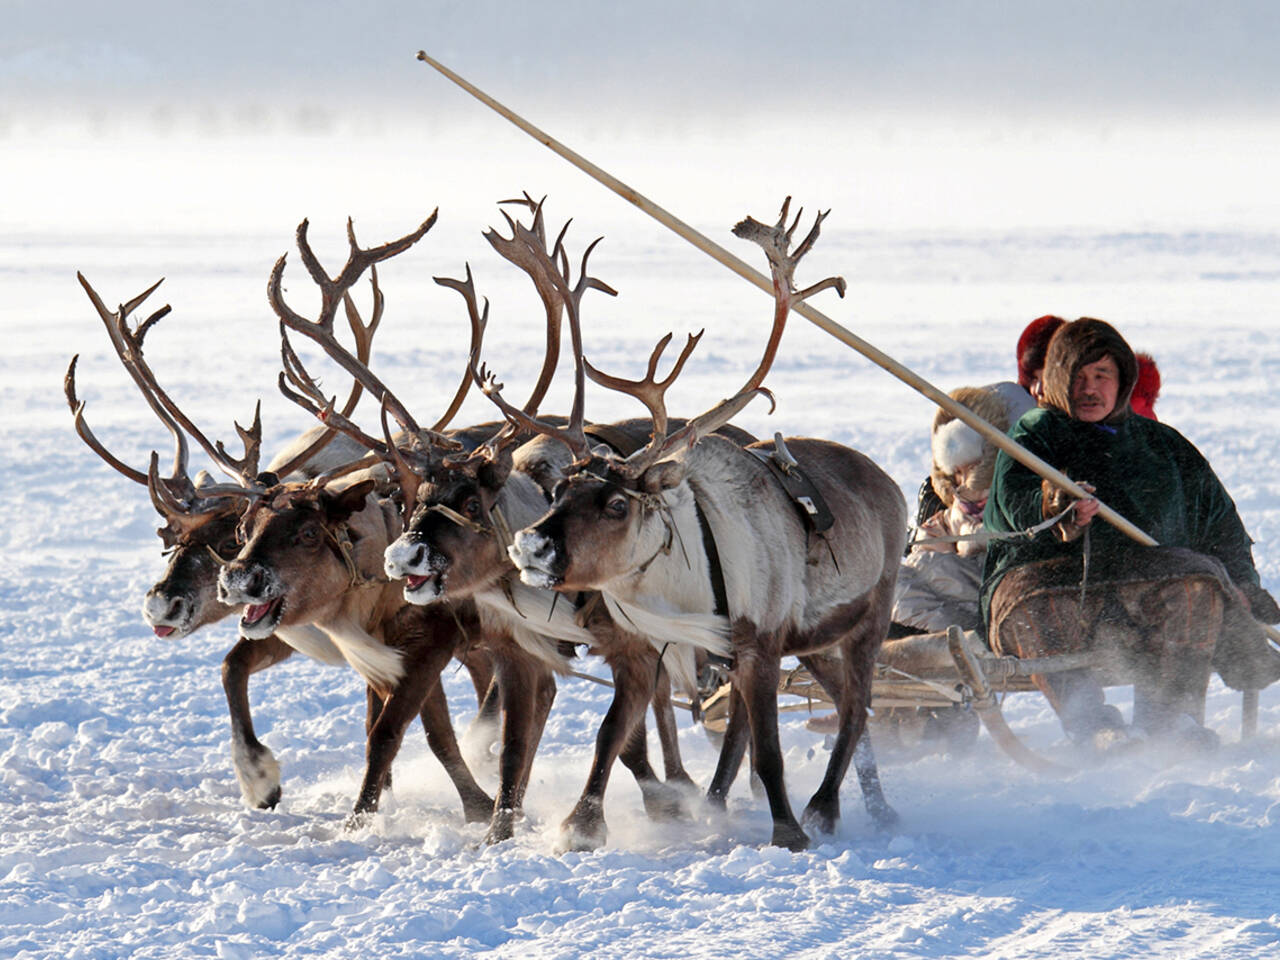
122,832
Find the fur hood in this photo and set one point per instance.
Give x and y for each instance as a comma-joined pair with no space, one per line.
1078,344
955,444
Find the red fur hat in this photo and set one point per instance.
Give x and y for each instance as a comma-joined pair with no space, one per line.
1032,346
1146,388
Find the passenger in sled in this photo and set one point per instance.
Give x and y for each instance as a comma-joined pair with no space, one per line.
941,575
1156,617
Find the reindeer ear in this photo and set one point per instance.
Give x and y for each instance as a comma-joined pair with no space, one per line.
663,476
493,473
340,506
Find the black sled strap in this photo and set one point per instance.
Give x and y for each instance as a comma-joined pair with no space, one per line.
813,508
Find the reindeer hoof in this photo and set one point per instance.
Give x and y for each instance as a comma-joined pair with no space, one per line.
357,820
477,809
663,803
578,837
502,826
258,773
820,819
789,836
884,816
270,800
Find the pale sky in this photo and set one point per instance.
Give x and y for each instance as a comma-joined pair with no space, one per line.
997,60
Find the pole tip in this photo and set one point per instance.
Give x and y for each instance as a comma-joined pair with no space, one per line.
422,55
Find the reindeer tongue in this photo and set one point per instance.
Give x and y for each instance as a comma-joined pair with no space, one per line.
255,612
163,631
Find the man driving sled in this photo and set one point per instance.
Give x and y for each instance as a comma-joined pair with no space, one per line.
1154,616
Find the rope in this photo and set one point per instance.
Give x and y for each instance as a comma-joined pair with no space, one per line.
344,546
986,536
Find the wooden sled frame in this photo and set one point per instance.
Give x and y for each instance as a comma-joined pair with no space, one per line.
951,669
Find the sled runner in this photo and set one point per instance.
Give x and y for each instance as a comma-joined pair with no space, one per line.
947,683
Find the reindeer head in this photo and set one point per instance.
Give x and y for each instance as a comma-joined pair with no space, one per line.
602,526
299,555
186,597
454,543
612,517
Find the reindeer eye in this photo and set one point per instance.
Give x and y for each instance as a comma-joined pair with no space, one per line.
308,534
472,507
616,506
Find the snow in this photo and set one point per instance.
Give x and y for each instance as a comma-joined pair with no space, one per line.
122,831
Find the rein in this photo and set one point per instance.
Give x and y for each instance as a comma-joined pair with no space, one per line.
497,525
986,536
341,542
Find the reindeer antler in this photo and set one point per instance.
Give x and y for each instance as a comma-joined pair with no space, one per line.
128,346
776,242
363,334
550,272
332,290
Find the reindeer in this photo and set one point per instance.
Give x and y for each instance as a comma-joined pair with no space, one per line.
528,633
200,519
787,589
313,555
455,543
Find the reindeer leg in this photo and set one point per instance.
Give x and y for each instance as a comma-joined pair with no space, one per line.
736,734
476,804
525,705
664,719
544,698
428,645
759,675
622,734
373,704
823,810
256,768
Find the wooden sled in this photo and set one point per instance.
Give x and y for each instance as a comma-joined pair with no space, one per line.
954,671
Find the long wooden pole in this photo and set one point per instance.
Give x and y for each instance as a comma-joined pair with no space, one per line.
814,316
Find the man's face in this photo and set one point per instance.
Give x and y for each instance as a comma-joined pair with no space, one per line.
1094,389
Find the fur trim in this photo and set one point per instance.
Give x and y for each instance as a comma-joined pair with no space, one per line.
957,441
956,444
1147,388
1077,344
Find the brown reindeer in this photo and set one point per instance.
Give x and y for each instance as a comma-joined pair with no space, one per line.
313,555
788,590
454,545
460,504
200,519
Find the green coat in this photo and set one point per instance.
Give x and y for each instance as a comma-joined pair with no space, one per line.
1144,470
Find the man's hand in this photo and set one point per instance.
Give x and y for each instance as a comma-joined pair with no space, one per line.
1086,509
1055,500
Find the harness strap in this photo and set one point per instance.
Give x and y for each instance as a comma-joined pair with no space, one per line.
341,542
473,525
497,525
718,590
813,508
713,562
